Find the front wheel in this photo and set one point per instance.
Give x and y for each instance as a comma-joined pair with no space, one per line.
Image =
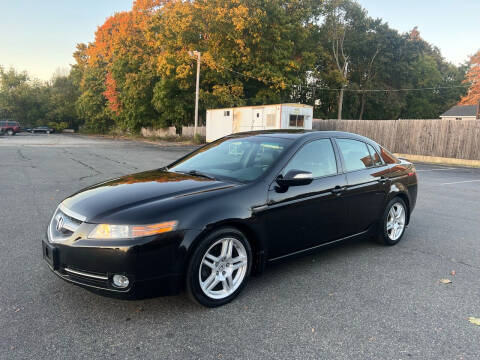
219,267
393,223
10,132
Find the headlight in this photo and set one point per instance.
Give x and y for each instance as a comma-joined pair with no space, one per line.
108,231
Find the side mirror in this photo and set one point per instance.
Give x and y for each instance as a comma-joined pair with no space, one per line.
295,178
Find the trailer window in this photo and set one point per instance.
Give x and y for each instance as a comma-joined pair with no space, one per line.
296,120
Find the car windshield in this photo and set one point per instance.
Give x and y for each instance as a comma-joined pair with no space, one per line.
239,159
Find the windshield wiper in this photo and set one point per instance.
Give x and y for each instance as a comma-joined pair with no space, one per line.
197,173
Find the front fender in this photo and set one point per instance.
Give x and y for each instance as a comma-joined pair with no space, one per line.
234,210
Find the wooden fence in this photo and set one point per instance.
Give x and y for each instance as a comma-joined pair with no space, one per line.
458,139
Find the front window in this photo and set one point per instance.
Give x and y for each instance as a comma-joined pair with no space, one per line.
239,159
316,157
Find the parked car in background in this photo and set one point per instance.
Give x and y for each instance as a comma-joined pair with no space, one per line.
9,127
208,220
43,129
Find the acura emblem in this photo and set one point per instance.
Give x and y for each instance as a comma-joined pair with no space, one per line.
60,222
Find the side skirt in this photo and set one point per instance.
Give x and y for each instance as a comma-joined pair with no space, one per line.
313,248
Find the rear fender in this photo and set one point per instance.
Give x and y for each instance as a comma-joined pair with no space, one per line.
397,189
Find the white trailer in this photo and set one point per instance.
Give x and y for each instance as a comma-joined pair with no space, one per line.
222,122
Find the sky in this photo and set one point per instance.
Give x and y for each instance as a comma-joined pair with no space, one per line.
451,25
40,36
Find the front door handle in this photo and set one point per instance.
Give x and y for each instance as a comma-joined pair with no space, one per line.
337,190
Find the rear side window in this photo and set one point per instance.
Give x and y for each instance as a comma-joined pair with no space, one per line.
3,123
388,157
316,157
355,154
376,158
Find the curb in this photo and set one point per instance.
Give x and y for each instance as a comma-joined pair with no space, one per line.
440,160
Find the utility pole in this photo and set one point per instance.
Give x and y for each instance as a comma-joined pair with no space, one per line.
342,90
197,90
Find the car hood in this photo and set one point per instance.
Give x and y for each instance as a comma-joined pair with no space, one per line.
105,199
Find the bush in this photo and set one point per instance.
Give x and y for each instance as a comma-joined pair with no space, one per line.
58,126
199,139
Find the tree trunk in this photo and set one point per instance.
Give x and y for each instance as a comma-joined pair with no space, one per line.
362,107
340,104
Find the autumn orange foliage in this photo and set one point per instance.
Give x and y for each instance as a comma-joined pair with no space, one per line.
473,77
111,93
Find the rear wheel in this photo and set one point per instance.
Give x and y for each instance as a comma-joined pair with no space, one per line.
10,132
393,223
219,267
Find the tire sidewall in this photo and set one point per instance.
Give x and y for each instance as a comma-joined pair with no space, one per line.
192,283
383,231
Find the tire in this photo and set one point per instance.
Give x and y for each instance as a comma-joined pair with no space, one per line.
10,132
393,222
223,276
48,132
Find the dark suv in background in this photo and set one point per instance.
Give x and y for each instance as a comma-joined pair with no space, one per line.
9,127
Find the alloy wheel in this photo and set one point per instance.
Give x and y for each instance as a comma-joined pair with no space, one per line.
396,221
223,268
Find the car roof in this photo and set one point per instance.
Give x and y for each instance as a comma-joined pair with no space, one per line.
300,133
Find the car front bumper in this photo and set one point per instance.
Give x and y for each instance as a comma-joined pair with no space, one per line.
154,265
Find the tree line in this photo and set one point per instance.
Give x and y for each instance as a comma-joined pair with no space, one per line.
139,70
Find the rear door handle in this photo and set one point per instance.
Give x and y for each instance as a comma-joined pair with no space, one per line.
383,179
337,190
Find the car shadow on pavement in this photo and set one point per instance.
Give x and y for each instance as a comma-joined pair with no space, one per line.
319,270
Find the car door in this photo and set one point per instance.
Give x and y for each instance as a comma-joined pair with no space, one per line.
301,217
366,185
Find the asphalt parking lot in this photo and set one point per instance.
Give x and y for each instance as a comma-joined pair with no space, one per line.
358,300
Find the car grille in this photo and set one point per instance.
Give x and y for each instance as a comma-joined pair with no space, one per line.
63,224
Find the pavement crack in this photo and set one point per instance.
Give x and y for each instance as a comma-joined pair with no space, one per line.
88,167
22,155
121,163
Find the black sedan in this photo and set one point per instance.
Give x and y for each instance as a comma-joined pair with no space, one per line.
42,129
212,218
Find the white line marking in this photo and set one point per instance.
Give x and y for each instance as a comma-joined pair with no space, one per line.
438,169
460,182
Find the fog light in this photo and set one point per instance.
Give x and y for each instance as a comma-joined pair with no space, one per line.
120,281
